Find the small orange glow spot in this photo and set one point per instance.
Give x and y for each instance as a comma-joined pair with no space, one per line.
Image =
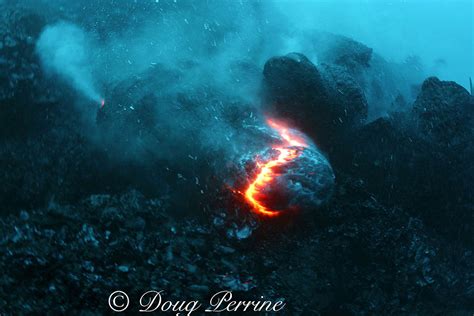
266,174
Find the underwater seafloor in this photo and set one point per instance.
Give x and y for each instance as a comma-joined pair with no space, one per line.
138,197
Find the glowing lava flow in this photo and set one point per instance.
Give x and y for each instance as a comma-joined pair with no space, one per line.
266,174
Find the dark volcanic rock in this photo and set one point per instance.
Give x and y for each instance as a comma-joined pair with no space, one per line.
41,151
421,159
292,82
445,112
380,81
141,205
18,63
20,74
324,108
362,258
347,95
294,90
342,51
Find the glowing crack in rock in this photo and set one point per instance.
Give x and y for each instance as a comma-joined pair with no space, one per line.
292,147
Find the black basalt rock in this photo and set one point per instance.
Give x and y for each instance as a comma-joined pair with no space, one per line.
325,105
292,80
444,111
293,89
342,51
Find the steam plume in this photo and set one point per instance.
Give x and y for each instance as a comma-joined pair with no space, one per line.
65,51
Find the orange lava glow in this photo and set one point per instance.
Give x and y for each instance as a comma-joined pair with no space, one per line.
288,151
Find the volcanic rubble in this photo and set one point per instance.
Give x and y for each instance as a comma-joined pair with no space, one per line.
77,223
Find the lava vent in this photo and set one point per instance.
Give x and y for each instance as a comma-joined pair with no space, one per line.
289,175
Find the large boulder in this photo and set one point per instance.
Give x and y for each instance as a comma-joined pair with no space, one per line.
323,105
444,112
286,173
342,51
387,86
350,102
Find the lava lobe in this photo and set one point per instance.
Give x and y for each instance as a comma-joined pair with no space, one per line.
291,174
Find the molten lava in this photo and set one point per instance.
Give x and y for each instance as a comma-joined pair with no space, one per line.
268,172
